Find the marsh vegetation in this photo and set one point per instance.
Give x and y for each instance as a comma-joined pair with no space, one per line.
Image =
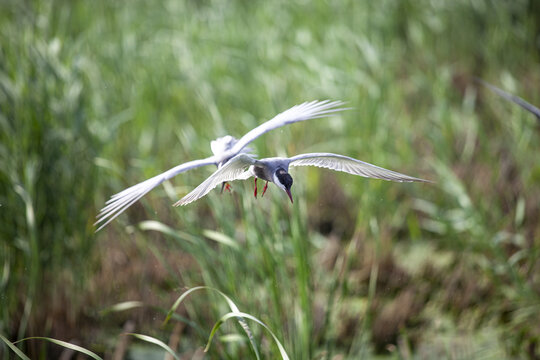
96,96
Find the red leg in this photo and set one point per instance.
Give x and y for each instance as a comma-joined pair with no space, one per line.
265,187
255,193
228,187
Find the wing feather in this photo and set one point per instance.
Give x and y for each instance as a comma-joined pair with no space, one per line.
234,169
305,111
349,165
119,202
515,99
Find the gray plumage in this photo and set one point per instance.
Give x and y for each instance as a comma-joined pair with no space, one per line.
243,166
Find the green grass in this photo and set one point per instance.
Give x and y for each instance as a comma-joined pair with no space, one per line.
98,96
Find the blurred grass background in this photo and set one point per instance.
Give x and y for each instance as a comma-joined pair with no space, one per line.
96,96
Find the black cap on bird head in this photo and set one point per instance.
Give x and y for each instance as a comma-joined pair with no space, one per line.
286,180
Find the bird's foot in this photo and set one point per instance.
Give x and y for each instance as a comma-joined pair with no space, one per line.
264,189
225,186
255,192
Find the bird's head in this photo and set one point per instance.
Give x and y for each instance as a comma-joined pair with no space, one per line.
284,180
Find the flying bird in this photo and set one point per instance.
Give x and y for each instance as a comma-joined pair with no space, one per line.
513,98
223,149
276,170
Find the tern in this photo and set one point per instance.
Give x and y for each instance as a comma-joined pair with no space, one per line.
276,170
223,149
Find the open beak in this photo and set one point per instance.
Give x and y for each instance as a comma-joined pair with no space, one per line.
289,194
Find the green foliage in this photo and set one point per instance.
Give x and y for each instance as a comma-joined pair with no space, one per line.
96,96
47,175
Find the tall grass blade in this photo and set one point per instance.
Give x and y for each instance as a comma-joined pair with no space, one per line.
155,341
14,348
237,315
123,306
158,226
65,344
232,306
221,238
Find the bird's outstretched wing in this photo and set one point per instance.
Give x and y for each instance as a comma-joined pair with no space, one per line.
234,169
124,199
305,111
349,165
513,98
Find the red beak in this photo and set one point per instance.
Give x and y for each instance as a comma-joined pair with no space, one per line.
290,196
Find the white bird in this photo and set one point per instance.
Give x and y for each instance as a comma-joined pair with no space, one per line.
223,149
275,170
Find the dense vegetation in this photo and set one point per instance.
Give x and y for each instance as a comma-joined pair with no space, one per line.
99,95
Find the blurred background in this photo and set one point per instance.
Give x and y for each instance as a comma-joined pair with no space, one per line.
96,96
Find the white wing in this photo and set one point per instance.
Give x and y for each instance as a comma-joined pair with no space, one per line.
124,199
306,111
349,165
234,169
